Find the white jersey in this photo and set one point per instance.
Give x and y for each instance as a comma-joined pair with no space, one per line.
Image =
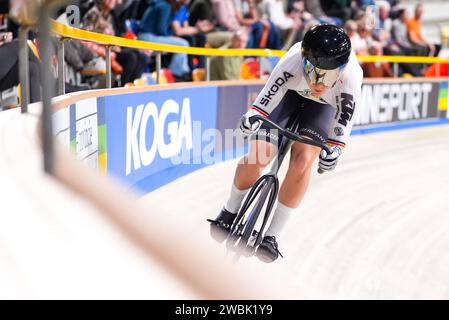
345,95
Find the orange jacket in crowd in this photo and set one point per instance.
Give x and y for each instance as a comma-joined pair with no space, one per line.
414,31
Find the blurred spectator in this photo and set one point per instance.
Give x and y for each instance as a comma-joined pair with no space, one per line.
394,8
201,11
297,10
6,24
382,34
389,45
228,68
385,22
359,15
274,11
365,3
415,35
338,8
82,61
400,34
9,67
314,7
127,62
131,9
80,58
195,35
392,47
358,44
393,3
365,32
226,15
9,57
288,25
264,33
376,69
155,27
232,14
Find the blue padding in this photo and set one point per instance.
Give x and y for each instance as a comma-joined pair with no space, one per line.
161,178
399,126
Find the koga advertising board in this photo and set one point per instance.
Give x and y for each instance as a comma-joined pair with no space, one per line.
155,137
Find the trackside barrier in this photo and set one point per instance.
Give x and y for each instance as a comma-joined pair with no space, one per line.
148,137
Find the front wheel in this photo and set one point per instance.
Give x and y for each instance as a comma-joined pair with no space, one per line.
254,215
268,196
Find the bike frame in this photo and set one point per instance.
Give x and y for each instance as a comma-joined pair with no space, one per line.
268,188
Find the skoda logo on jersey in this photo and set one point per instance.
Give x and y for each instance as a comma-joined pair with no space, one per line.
278,83
148,130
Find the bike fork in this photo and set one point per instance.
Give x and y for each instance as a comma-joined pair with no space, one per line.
274,190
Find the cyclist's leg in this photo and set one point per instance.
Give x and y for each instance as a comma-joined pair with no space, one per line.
291,193
296,180
262,149
249,168
314,119
248,171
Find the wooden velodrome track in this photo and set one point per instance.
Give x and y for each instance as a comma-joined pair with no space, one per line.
378,227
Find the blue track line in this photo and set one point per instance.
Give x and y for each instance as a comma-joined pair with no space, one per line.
399,126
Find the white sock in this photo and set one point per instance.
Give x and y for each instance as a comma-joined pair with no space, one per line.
235,199
280,217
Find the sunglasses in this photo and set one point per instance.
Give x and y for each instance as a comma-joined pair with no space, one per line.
321,76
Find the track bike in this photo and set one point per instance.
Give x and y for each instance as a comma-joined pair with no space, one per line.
244,235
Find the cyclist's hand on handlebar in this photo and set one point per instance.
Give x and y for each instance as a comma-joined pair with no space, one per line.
328,162
247,129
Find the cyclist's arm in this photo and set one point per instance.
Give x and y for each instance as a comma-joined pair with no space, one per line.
284,76
349,102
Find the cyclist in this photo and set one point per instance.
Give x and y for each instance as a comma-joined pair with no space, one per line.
319,82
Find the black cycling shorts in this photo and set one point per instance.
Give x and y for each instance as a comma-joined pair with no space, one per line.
314,118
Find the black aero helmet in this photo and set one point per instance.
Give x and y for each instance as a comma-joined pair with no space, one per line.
326,47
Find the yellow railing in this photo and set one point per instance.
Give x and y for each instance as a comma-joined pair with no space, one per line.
404,59
74,33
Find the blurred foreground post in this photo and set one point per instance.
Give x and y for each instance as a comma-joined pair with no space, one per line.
158,67
207,68
47,8
395,69
108,68
61,67
47,88
24,69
